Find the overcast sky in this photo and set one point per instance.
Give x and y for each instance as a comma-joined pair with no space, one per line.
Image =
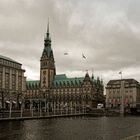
107,32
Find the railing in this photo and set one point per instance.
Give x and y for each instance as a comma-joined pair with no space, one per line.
135,137
46,113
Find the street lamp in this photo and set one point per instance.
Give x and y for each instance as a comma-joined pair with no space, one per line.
122,94
22,103
10,108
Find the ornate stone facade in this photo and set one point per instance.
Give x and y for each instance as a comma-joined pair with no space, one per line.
59,91
12,82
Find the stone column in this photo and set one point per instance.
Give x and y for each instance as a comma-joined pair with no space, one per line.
10,79
16,79
3,78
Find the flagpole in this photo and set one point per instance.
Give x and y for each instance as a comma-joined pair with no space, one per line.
121,75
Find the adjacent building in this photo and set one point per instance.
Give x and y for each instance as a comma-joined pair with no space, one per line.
12,82
126,89
59,91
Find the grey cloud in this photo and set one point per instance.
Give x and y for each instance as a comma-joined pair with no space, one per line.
107,32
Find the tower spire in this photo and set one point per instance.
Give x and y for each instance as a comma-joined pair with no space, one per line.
48,29
47,63
47,40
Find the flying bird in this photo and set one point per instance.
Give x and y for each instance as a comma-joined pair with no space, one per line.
83,56
65,53
120,72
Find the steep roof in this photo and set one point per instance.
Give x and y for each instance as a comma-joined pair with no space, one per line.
32,84
62,80
47,45
8,59
48,51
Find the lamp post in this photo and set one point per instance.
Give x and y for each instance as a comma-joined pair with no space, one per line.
40,109
71,107
22,103
122,95
2,102
45,106
75,108
10,109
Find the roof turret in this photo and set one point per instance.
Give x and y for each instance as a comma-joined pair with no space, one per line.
87,78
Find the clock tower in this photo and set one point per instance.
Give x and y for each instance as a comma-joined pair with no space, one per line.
47,64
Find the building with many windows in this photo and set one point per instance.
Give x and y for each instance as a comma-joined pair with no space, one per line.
12,83
59,91
126,89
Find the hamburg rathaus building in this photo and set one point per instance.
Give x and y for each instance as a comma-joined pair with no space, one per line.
59,91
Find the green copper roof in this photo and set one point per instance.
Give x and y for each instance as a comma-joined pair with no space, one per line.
9,59
47,50
62,80
32,84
